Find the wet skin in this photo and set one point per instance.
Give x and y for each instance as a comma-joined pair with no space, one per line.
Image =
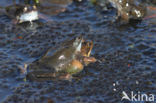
22,13
64,62
130,9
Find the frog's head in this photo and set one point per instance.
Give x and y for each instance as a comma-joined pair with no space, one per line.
28,13
82,55
83,47
83,50
77,44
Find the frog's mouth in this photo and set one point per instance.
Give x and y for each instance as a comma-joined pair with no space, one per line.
28,16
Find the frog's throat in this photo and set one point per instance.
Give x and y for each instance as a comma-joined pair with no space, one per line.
33,15
79,47
78,44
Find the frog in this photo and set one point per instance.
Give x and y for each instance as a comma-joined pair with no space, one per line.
19,11
22,13
128,9
131,9
63,63
32,10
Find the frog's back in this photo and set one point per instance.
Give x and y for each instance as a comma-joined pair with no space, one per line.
38,70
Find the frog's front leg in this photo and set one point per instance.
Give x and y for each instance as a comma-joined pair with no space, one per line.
88,60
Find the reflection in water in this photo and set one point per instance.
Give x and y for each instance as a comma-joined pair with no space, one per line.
53,7
49,7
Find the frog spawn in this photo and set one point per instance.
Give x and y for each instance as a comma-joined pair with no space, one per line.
62,63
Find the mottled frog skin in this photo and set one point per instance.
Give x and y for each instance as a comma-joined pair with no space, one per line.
69,59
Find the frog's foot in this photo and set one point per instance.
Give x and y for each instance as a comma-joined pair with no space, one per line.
88,60
66,77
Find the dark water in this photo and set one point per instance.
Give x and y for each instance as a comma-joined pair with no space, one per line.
127,57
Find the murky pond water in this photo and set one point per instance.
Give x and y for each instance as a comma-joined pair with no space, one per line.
127,56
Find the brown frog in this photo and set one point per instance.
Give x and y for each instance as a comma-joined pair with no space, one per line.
131,9
63,62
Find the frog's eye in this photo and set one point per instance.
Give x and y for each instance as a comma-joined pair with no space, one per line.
25,9
78,38
34,7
